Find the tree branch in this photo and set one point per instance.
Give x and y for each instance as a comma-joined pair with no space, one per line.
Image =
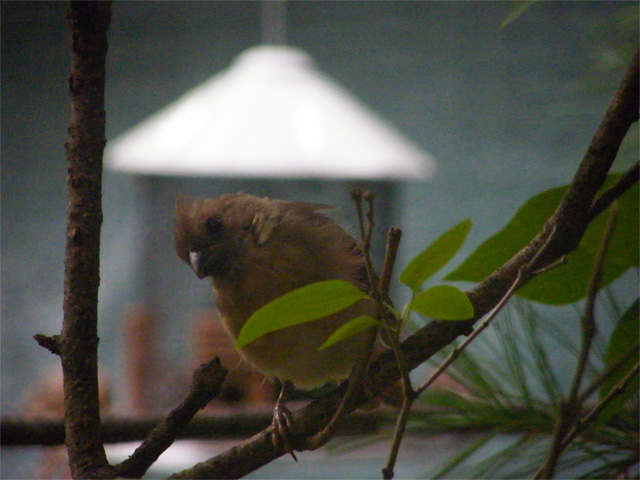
206,385
22,431
88,23
569,223
628,179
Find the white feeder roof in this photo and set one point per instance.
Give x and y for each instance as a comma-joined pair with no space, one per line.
271,114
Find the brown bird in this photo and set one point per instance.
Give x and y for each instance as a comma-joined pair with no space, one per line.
256,250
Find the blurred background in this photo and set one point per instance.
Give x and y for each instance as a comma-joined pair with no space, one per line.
495,114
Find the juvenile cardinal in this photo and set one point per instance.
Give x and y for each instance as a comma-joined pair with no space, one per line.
256,250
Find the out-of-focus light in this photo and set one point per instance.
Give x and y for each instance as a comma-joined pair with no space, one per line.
271,114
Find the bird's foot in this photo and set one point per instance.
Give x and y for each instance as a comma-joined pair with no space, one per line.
283,425
282,428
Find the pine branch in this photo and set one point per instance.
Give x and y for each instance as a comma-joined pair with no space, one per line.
569,409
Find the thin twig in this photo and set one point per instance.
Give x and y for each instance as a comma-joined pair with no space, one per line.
408,397
206,385
581,424
358,373
524,274
355,380
365,234
401,424
628,179
356,195
619,389
369,197
366,243
393,241
391,316
455,353
606,374
379,292
569,409
588,326
408,393
380,295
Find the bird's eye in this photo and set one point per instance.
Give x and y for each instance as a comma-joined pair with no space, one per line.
213,225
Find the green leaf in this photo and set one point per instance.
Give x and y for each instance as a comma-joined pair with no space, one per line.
302,305
349,329
443,302
507,242
435,256
623,338
568,283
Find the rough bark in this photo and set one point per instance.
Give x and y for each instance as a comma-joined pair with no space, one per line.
88,23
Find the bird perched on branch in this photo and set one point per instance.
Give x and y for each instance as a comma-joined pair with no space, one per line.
256,250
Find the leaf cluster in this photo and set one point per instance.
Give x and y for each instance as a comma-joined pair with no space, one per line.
567,284
510,390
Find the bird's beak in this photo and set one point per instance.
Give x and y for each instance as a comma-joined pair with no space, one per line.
194,261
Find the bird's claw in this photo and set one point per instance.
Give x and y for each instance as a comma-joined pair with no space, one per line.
281,428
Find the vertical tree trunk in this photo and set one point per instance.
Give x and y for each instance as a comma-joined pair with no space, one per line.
88,23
